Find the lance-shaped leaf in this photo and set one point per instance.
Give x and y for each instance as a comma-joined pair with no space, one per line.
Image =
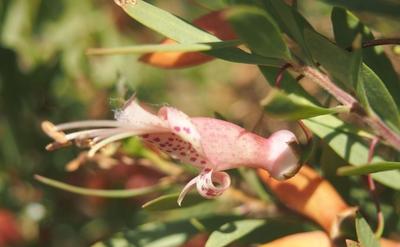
342,65
259,31
232,231
173,47
212,23
364,233
292,23
346,27
288,19
292,107
181,31
345,140
368,168
173,233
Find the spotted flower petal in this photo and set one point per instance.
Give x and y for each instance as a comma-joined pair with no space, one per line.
207,180
208,144
209,184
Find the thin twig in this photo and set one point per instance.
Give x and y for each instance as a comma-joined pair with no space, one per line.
377,42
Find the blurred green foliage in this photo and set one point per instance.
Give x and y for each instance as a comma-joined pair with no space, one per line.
45,75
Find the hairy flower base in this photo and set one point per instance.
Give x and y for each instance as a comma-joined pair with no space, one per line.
211,145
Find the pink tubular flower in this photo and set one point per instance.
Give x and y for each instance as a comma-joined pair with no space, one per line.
211,145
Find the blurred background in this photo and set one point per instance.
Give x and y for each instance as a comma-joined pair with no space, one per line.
45,75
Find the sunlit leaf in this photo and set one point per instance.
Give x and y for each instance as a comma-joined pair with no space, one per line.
364,233
158,48
294,24
372,93
345,140
292,107
345,27
155,234
259,31
368,168
232,231
152,234
181,31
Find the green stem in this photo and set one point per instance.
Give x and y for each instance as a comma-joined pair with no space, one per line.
103,193
346,99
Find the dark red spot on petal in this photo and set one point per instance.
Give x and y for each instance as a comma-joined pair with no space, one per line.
156,139
193,159
145,136
177,128
182,153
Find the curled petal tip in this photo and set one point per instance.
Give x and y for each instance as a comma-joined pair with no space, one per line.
186,189
207,180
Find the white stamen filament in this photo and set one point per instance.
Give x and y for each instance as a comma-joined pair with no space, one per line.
90,124
113,138
87,133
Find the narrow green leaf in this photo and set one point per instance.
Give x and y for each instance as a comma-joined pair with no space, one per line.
250,176
152,234
167,24
169,202
368,168
259,31
159,48
345,140
357,76
372,93
183,32
391,8
364,233
292,23
232,231
289,85
346,26
166,233
292,107
103,193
